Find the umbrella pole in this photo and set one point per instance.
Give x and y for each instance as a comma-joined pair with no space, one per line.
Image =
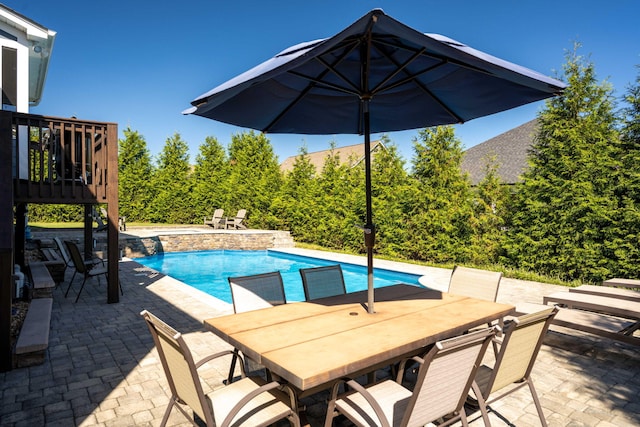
369,228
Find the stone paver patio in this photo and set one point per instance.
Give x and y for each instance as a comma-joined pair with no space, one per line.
102,369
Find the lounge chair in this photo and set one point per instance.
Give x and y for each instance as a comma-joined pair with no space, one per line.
247,402
321,282
217,220
253,293
608,291
237,222
82,268
519,347
442,385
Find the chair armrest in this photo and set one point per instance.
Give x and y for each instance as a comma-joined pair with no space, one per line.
214,356
401,367
357,388
266,388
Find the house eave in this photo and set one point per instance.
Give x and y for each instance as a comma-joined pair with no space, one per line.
40,44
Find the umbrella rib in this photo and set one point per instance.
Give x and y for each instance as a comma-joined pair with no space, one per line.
326,85
411,78
399,68
314,82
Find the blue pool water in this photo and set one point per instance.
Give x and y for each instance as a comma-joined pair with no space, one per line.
208,270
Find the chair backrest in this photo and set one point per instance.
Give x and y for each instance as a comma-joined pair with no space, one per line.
474,283
76,257
521,343
217,214
320,282
445,377
179,367
257,291
63,251
241,214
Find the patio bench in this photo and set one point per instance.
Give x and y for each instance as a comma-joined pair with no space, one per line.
599,324
43,283
33,340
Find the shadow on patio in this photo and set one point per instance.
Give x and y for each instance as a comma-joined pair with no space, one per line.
102,368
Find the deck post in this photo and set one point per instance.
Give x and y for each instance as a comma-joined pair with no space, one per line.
113,231
6,238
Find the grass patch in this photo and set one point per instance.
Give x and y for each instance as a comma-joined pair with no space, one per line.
509,272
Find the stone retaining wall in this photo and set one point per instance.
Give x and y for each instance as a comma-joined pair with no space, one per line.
140,246
146,242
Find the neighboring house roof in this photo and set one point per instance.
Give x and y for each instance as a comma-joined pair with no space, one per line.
347,153
510,151
39,41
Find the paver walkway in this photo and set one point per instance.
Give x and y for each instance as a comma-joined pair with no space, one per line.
102,369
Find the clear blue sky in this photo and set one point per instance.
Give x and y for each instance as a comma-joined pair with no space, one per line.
139,63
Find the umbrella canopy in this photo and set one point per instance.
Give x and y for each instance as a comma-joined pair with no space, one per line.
377,75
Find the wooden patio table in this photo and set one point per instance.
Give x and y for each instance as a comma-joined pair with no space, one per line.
313,344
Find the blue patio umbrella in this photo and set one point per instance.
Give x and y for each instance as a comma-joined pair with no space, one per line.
377,75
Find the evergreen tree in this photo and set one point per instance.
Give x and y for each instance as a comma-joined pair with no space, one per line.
135,174
254,179
172,184
296,207
625,245
440,207
565,208
210,175
336,215
389,182
490,206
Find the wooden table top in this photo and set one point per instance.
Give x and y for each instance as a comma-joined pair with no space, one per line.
312,344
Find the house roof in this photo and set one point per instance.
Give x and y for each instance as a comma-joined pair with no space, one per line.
510,150
346,154
40,41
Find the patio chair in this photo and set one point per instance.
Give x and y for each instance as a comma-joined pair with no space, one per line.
320,282
257,291
252,293
217,220
247,402
67,258
98,219
443,382
82,268
519,347
237,222
474,283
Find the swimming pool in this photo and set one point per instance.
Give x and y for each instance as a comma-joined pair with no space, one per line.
208,270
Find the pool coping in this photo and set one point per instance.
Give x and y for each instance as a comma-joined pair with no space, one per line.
432,277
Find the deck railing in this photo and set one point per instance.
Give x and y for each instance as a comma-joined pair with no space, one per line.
61,160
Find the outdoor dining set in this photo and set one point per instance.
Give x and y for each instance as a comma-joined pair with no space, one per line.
432,342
